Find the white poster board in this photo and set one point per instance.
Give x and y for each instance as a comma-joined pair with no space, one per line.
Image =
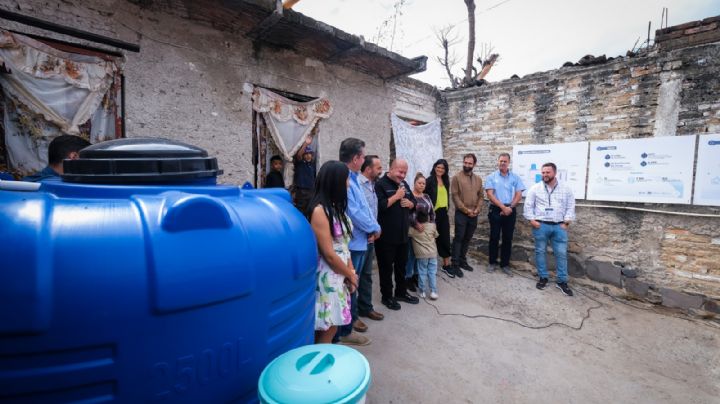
656,170
570,159
707,177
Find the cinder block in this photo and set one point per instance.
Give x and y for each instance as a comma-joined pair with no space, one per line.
605,272
680,300
712,306
637,287
576,269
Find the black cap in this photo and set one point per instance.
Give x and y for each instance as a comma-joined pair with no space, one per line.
140,161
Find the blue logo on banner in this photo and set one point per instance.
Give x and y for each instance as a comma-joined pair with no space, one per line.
713,142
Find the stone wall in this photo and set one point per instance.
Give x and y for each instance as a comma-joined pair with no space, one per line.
659,93
189,80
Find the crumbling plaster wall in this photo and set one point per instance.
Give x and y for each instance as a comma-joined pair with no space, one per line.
658,94
188,81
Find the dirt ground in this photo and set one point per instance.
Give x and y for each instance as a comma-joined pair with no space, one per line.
618,354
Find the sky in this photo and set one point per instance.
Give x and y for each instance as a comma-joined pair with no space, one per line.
529,35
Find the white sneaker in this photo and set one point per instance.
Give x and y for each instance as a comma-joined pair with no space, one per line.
433,296
422,294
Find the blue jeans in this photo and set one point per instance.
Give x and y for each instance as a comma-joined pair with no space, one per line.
410,268
358,260
427,269
557,236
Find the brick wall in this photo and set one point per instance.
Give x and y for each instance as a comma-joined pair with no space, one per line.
671,90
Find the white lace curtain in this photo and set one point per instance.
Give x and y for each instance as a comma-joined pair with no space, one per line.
289,122
48,92
420,145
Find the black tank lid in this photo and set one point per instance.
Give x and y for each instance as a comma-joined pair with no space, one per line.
140,161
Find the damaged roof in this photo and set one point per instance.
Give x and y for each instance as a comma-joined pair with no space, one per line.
266,23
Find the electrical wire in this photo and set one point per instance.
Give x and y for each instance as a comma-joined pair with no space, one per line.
561,324
521,324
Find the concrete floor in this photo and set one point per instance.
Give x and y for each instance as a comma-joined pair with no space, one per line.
620,355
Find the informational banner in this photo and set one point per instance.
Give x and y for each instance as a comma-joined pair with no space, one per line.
656,170
570,159
707,176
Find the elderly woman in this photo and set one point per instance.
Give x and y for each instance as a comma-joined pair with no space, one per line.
438,188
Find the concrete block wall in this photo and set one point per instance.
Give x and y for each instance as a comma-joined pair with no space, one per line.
665,92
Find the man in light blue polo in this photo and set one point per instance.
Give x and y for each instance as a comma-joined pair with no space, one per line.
504,190
365,225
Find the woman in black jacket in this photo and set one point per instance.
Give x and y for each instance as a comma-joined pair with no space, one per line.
438,188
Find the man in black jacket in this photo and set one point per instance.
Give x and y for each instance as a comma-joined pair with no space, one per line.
395,202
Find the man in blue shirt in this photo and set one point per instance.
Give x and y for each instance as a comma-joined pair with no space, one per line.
365,226
61,148
504,190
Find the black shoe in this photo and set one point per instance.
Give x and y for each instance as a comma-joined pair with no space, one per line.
410,285
466,267
408,298
390,303
542,283
457,271
448,271
564,288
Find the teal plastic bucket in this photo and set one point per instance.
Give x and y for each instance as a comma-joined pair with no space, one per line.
322,373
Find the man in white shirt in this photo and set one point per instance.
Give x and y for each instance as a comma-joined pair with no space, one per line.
550,208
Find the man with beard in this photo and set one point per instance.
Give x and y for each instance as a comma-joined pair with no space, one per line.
369,173
550,207
395,201
466,190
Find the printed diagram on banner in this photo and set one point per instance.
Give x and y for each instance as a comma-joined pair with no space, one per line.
657,170
570,159
707,177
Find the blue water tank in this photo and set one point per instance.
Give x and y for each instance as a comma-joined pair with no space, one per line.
136,278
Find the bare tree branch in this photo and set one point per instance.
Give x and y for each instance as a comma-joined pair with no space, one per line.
447,38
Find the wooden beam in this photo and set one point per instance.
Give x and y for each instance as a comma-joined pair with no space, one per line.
260,30
73,32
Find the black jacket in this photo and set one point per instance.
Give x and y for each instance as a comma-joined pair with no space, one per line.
274,179
431,188
395,220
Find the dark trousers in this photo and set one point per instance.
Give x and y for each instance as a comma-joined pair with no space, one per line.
364,303
443,227
302,199
504,225
391,259
464,229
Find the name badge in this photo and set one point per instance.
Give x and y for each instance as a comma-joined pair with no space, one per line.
549,210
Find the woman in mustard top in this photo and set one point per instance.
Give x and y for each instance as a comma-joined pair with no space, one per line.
438,188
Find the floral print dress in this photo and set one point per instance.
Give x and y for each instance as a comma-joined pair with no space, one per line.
332,298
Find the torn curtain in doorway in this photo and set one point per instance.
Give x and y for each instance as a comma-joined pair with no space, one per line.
420,145
289,123
47,92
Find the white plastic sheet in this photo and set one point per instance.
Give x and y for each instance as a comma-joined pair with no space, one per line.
420,145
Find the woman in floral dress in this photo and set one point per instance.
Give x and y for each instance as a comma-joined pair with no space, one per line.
333,229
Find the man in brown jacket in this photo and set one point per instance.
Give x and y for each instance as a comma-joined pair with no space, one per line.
466,189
